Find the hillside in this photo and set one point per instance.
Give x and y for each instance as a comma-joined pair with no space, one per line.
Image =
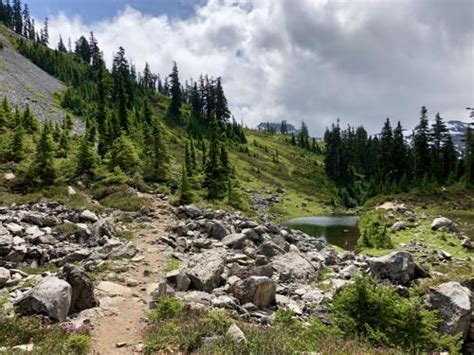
24,83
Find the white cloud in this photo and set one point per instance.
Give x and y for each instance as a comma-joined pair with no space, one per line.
314,60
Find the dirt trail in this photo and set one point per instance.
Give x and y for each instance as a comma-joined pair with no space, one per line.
120,319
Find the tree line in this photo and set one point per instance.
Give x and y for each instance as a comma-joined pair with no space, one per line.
122,109
386,163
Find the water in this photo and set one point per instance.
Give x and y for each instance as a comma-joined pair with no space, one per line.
464,222
342,231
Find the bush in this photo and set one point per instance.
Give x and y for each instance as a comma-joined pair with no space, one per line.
375,312
374,232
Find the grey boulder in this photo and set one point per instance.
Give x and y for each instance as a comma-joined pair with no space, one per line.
453,302
51,297
292,266
82,288
398,267
205,270
4,276
259,290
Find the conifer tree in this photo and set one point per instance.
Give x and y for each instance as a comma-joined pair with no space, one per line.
438,137
86,158
421,151
192,152
400,153
17,149
17,17
43,166
386,152
185,195
61,46
174,109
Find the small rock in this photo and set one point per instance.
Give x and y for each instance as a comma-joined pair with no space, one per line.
399,226
4,276
121,344
88,216
236,334
71,191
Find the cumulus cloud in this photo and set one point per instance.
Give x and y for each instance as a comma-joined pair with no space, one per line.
308,60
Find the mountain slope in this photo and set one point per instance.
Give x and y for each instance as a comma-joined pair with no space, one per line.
25,83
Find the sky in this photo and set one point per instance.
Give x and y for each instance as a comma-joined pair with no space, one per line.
300,60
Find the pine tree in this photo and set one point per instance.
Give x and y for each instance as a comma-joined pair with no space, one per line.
29,121
185,195
157,155
469,154
187,158
83,50
44,36
449,160
124,154
192,153
86,158
400,153
213,175
121,76
174,109
17,17
61,46
438,137
421,151
44,168
17,148
222,112
283,127
386,152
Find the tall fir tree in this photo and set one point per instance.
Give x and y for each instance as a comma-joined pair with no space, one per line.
421,149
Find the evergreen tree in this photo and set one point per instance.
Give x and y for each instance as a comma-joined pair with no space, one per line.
43,166
44,35
192,153
17,17
124,154
121,74
17,148
61,46
222,112
185,195
438,136
83,50
400,153
386,152
421,151
86,158
174,109
283,127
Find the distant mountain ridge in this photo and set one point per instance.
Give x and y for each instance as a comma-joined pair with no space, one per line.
457,129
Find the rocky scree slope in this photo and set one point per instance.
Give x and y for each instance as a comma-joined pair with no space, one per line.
25,83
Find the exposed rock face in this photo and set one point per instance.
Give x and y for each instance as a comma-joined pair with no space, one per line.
397,267
205,270
82,289
259,290
51,297
292,265
453,302
6,244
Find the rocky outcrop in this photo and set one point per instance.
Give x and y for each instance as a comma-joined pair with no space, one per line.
51,297
453,303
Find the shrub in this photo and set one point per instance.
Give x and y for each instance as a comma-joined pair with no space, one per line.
374,233
369,310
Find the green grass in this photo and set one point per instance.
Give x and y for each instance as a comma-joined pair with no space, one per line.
124,202
172,264
47,338
176,328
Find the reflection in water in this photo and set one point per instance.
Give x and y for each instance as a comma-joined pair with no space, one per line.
337,230
464,222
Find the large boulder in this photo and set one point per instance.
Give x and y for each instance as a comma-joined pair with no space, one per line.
397,267
82,289
6,244
179,280
259,290
205,270
293,266
444,224
51,297
453,302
